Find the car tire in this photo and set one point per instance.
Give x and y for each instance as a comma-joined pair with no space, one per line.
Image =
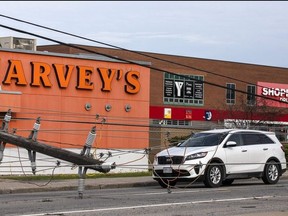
164,183
271,173
213,175
227,182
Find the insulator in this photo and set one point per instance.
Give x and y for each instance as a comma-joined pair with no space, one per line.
90,139
7,118
33,166
36,126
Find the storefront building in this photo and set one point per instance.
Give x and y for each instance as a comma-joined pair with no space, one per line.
201,93
135,107
71,94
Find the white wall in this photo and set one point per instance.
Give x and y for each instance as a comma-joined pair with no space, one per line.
16,162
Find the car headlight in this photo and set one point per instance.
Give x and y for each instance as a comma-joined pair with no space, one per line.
196,155
155,159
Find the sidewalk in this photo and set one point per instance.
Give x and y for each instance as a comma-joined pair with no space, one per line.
15,186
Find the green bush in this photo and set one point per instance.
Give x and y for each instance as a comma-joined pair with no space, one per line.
73,176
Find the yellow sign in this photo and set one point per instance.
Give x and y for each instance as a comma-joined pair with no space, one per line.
167,113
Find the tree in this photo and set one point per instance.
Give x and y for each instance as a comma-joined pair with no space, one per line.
257,113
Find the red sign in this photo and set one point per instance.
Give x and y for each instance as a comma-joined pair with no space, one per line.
276,91
188,114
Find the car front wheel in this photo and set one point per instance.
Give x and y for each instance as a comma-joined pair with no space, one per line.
271,173
213,176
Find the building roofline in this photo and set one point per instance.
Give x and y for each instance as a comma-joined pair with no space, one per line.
78,56
177,56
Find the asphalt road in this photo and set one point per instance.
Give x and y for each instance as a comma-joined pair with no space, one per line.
244,197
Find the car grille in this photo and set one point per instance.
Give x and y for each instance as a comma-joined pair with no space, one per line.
170,160
175,173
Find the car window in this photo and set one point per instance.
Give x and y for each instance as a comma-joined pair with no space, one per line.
256,138
236,138
265,139
204,139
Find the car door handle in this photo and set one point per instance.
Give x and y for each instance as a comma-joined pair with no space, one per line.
244,150
265,149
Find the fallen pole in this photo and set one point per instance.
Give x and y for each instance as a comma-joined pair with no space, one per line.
81,160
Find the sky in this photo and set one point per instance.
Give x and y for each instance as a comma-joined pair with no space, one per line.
253,32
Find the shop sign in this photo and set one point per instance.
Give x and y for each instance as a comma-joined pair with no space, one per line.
188,91
198,90
167,113
276,91
208,115
188,114
168,88
41,73
183,89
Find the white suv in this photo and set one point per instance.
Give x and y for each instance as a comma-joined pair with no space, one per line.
219,156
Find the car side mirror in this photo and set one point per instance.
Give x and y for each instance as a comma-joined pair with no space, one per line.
179,143
231,144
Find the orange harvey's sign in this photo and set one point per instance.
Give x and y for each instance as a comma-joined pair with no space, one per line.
44,70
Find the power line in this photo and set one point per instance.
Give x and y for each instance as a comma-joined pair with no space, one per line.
121,48
100,118
135,63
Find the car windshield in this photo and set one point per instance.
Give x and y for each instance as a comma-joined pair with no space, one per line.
204,139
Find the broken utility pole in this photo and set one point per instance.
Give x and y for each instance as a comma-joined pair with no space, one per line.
81,160
84,160
4,128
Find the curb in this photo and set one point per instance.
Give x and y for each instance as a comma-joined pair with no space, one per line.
14,186
24,187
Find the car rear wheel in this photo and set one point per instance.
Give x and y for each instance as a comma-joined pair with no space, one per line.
271,173
213,176
165,183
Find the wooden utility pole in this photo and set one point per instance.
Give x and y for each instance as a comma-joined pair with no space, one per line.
81,160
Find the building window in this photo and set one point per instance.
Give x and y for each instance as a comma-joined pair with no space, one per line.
230,93
251,92
172,122
183,89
